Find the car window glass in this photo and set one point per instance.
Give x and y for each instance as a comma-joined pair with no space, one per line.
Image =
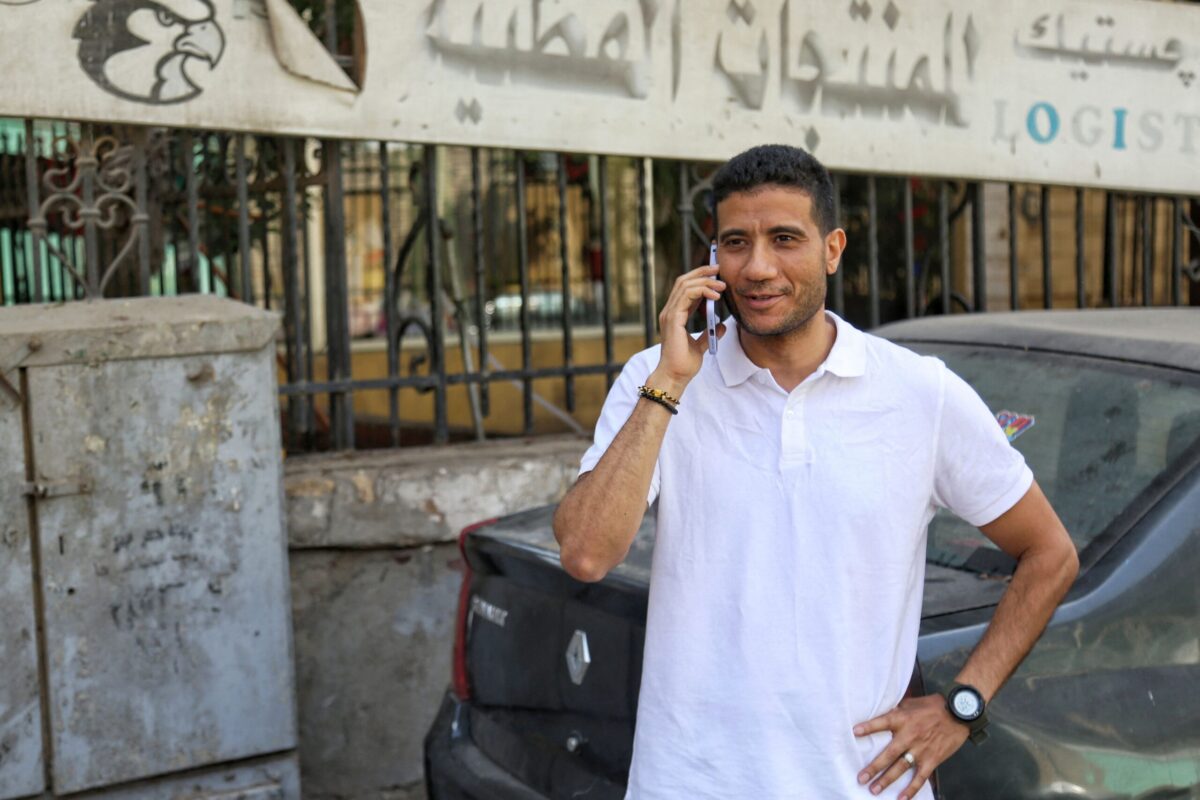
1101,432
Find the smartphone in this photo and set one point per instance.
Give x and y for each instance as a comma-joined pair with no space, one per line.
710,306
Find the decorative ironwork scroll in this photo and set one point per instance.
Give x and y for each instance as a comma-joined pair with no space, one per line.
92,185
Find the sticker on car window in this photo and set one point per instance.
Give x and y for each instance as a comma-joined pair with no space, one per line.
1014,424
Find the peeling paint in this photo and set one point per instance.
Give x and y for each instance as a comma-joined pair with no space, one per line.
364,487
309,486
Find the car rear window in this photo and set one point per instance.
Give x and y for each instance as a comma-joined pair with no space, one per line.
1096,434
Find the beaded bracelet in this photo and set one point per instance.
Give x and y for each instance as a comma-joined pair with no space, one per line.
659,396
646,391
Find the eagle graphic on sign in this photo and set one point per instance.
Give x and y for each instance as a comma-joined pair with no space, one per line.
150,51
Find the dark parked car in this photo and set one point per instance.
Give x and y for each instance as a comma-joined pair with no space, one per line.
1105,405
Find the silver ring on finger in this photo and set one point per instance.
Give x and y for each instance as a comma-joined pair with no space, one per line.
909,759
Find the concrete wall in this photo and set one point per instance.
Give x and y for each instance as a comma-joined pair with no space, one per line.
374,588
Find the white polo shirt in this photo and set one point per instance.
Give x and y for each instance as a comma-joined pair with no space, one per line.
786,583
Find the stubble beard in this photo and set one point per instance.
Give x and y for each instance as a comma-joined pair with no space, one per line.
810,301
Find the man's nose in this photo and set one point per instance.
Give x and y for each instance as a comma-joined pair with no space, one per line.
760,266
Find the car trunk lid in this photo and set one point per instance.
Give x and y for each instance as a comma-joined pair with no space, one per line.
553,664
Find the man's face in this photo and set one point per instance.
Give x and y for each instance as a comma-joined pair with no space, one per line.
774,259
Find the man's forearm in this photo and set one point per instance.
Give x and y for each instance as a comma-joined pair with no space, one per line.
596,522
1041,579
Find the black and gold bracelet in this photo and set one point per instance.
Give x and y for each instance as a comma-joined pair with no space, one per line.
659,396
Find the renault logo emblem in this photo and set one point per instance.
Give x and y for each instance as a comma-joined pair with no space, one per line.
578,657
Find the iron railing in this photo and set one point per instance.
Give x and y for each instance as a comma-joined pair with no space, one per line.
436,259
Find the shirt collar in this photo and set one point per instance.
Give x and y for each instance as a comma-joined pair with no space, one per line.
847,358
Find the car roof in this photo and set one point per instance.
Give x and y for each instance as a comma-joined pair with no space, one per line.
1168,337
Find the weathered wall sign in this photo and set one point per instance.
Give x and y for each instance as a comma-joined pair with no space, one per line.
1067,91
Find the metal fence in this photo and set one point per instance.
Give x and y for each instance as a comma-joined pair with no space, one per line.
403,270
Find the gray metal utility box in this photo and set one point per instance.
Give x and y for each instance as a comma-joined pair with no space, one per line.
145,626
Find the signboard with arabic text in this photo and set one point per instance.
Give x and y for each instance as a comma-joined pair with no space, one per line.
1103,93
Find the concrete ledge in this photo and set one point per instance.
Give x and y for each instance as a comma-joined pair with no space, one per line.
426,495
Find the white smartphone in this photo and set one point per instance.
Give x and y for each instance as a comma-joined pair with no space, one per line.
710,306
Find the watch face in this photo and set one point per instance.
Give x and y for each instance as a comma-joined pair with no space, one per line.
966,704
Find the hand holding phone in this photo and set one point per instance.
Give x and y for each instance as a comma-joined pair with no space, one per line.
710,306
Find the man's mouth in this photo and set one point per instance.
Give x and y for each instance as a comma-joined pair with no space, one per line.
759,300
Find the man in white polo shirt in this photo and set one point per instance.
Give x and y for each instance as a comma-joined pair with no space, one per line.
796,473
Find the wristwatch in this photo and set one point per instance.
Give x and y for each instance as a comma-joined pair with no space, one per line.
965,704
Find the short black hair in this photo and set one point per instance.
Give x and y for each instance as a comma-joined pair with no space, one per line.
779,165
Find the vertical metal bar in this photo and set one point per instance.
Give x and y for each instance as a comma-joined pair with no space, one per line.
978,248
87,164
308,299
213,248
1080,261
105,250
1110,249
53,286
1014,293
193,214
564,258
9,177
1047,282
1176,271
523,270
643,211
481,293
293,316
264,244
8,267
11,244
872,252
71,243
331,31
172,228
910,259
686,212
243,198
1136,238
839,277
1146,208
8,275
606,271
106,254
389,295
433,241
337,301
133,277
141,217
944,241
37,223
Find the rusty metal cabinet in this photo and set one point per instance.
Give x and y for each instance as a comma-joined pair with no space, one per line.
143,559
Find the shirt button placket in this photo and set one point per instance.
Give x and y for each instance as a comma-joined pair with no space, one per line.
795,438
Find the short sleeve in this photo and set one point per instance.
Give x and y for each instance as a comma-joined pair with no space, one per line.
618,406
978,474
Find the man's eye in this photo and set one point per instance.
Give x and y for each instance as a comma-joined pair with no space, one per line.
165,18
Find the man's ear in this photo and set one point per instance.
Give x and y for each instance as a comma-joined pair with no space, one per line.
835,245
